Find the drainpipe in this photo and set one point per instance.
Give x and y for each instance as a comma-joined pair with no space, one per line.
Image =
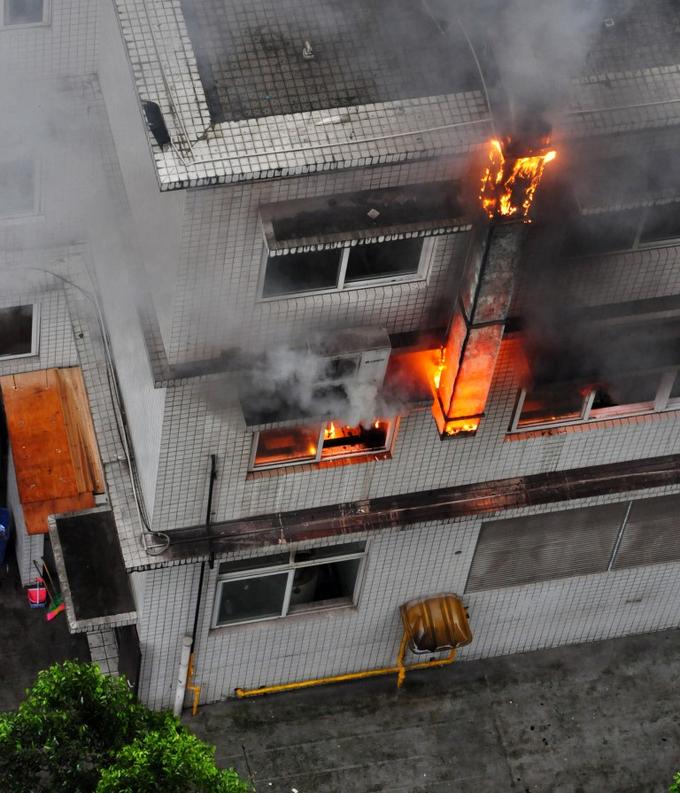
196,690
182,675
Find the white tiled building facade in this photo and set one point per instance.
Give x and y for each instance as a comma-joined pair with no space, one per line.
180,275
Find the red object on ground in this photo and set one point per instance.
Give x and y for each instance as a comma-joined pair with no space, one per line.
37,594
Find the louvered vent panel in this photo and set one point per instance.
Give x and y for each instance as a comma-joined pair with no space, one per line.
540,547
652,533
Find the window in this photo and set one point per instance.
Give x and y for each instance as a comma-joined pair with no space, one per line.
19,331
558,404
320,442
24,12
341,268
275,586
629,229
17,188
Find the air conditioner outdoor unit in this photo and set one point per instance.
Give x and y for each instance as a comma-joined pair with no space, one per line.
356,354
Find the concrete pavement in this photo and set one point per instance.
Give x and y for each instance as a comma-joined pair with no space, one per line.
592,718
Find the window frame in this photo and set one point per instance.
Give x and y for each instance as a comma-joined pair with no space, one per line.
35,210
318,457
662,403
290,568
638,244
45,22
341,285
35,333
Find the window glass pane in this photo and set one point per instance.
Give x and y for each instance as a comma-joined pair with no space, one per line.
330,550
629,390
661,222
16,187
237,565
290,444
251,598
324,584
547,403
606,231
342,439
23,12
16,330
301,272
380,261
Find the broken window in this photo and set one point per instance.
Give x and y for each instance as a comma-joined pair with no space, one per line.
17,187
24,12
18,331
319,442
341,268
626,395
281,584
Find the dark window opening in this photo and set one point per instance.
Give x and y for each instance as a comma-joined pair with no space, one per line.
629,390
675,390
17,195
252,598
606,231
324,584
23,12
547,403
661,223
16,330
301,272
380,261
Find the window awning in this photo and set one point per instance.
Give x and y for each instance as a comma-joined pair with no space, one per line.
363,217
91,570
52,439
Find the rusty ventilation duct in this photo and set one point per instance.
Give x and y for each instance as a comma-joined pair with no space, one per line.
469,356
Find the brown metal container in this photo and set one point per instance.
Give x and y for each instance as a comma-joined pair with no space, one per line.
436,623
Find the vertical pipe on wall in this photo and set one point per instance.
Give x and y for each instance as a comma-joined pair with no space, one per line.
182,675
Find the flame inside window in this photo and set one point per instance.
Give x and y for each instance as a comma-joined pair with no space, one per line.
508,185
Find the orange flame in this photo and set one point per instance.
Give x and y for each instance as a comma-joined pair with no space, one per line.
330,431
508,186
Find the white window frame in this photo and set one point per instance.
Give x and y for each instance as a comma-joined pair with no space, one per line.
35,209
318,457
421,274
46,18
289,569
35,333
661,403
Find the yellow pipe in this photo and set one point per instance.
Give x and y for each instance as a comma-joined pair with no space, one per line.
400,670
196,690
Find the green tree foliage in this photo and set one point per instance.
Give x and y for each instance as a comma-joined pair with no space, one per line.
675,787
78,731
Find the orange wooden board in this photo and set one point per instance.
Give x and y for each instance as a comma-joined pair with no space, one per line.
53,444
35,515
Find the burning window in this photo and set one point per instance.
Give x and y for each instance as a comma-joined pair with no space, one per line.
24,12
320,442
19,331
342,268
510,182
274,586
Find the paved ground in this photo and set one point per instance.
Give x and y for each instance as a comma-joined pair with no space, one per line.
28,643
597,718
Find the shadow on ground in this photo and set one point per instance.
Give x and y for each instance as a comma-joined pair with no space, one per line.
29,643
594,718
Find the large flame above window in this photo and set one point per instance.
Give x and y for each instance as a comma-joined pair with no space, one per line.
509,183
